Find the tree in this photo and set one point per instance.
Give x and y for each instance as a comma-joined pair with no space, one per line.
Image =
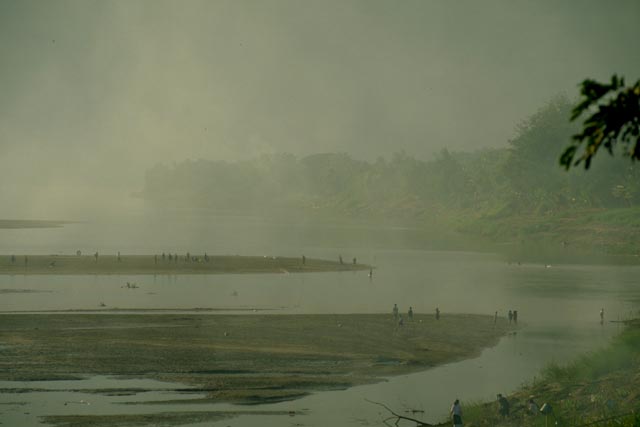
535,181
615,118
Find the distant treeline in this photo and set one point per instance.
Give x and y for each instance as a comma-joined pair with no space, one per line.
523,178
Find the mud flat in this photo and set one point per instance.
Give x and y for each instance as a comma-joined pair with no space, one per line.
31,223
160,419
237,358
156,264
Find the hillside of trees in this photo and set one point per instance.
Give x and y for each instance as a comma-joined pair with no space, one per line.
498,192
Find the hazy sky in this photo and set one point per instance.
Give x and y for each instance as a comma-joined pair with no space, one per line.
94,93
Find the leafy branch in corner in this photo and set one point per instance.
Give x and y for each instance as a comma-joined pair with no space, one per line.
615,117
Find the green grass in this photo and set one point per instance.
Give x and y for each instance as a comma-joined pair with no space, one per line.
621,354
614,231
599,389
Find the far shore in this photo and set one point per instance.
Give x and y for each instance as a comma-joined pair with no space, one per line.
169,264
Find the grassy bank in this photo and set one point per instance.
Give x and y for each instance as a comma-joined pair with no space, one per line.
603,231
157,264
599,389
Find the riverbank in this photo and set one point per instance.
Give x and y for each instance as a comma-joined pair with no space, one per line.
583,232
246,359
31,223
598,389
162,264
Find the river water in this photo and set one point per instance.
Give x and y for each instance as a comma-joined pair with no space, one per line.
558,305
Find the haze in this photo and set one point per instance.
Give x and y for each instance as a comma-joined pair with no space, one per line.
277,212
95,93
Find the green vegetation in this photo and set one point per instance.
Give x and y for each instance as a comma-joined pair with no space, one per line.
598,389
516,194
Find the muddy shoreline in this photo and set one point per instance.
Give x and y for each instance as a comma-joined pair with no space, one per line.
11,224
237,358
161,264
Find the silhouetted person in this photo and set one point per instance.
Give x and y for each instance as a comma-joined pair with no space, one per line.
355,261
163,256
437,313
410,313
304,260
188,256
170,257
495,318
510,316
96,256
602,316
340,259
206,257
456,414
503,406
515,316
13,259
370,273
395,311
119,258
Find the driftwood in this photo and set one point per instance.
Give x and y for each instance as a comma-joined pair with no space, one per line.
397,417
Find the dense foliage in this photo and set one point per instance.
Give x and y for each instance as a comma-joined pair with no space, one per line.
523,178
615,119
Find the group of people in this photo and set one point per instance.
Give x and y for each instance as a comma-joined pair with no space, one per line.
504,408
398,317
513,317
187,258
341,261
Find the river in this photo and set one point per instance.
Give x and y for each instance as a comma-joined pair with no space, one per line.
558,304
